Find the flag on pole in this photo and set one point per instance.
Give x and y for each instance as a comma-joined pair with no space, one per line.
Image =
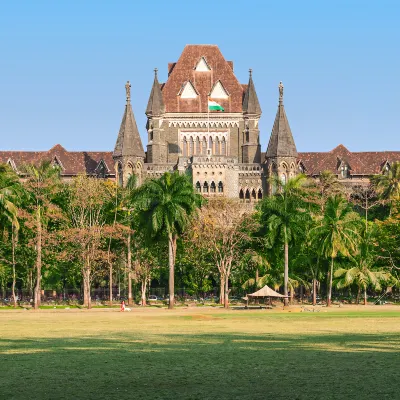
214,106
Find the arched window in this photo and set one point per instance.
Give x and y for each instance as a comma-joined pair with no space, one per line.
191,146
120,175
151,136
205,187
241,194
184,146
259,195
213,188
198,187
247,137
253,195
220,187
247,195
210,144
204,150
223,147
217,146
198,146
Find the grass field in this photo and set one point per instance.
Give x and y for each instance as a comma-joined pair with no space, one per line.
200,354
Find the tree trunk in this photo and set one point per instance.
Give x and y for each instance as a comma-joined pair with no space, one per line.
171,262
86,288
286,272
314,294
257,276
110,283
226,294
358,296
365,296
222,289
329,299
37,297
13,239
144,289
130,297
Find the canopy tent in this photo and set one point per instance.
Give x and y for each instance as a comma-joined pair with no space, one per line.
266,291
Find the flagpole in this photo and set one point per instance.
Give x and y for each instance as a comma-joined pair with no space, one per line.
208,114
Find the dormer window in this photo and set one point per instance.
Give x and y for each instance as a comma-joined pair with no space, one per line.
188,91
344,171
202,65
218,91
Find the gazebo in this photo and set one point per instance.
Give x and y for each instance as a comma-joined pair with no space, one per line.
266,291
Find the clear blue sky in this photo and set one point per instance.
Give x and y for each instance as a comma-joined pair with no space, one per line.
64,63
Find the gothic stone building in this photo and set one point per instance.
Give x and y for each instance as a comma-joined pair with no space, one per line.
220,150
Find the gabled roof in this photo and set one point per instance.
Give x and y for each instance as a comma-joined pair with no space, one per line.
73,162
128,141
281,142
362,163
251,104
185,70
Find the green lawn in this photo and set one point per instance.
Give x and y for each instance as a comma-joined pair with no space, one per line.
199,354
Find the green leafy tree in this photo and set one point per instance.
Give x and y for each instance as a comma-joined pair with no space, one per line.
42,184
10,196
362,273
165,206
283,217
336,232
388,184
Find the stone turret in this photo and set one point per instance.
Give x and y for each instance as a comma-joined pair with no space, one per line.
281,156
157,147
128,154
251,150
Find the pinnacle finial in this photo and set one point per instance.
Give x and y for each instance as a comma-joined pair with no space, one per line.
280,92
128,91
250,72
155,72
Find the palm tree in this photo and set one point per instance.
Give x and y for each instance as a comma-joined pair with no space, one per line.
41,185
388,184
336,232
165,205
10,191
283,217
361,273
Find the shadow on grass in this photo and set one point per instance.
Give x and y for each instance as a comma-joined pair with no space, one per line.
204,366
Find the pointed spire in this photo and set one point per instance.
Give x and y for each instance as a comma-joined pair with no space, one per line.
250,101
281,142
128,141
155,106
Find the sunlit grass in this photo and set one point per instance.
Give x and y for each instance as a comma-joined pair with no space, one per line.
199,354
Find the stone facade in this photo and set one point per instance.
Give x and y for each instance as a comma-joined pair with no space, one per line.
220,150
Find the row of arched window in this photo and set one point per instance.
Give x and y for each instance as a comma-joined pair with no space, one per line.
197,147
250,194
209,188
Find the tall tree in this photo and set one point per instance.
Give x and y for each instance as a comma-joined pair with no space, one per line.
283,217
223,226
165,206
336,232
388,184
89,208
42,184
10,195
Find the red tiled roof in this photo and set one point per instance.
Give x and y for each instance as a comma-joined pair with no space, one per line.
361,163
72,162
184,70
